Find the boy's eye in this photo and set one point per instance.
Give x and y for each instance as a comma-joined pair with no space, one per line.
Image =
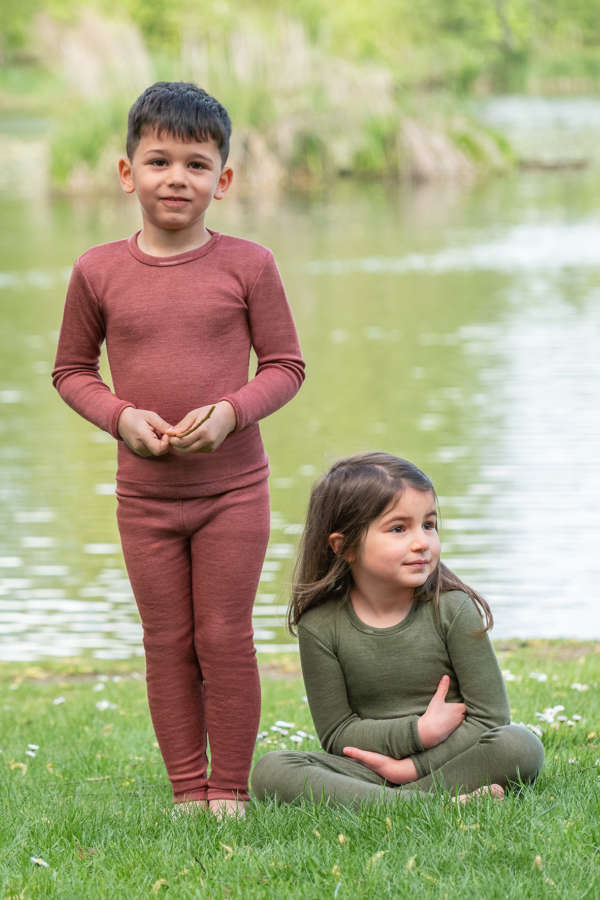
158,162
197,165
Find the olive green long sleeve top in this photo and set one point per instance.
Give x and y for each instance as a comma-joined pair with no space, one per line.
367,686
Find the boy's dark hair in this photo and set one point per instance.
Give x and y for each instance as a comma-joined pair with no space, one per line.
181,109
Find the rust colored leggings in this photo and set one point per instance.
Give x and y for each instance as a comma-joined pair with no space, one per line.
194,567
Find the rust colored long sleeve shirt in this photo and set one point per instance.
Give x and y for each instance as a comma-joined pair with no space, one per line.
178,333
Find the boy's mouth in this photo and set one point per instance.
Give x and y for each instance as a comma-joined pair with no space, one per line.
174,201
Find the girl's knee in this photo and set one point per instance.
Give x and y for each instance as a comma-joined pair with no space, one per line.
266,774
281,773
521,751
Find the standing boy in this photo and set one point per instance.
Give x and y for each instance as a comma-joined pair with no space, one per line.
180,307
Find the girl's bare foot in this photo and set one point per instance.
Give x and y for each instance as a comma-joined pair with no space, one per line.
227,806
494,789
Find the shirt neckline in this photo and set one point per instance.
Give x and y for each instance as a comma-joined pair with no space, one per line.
372,629
178,258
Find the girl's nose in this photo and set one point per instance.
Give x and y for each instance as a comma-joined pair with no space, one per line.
419,540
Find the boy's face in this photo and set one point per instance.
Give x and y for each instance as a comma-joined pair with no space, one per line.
175,182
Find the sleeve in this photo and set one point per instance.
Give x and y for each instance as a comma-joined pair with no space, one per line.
280,369
480,684
76,369
336,724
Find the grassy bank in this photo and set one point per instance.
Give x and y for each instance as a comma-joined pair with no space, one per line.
315,90
83,790
305,109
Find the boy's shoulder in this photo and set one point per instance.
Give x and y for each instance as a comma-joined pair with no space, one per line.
103,253
243,247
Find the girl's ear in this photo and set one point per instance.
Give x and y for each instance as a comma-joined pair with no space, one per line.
336,542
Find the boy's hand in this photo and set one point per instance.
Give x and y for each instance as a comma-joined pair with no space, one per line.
144,431
397,771
203,430
440,719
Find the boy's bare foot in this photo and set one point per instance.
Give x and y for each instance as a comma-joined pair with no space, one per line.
494,789
189,808
225,806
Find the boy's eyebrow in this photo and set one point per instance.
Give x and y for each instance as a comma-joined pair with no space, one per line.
161,151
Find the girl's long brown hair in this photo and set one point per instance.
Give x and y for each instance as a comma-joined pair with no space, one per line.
355,491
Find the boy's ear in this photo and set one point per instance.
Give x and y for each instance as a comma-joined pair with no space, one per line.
125,175
225,179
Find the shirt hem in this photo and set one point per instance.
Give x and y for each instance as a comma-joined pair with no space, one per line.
187,491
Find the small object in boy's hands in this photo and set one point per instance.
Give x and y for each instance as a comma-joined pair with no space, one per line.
198,424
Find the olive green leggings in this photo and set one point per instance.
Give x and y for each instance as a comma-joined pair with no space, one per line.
504,755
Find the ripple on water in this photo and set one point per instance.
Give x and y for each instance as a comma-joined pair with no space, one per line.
102,549
11,395
27,516
10,562
546,247
37,542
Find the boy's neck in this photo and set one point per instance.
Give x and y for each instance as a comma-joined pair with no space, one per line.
157,242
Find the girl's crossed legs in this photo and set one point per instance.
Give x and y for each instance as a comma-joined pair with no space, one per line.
509,753
194,566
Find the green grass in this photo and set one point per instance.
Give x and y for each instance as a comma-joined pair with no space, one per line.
94,803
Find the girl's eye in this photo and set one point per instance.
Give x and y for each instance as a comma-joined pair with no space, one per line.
430,526
398,529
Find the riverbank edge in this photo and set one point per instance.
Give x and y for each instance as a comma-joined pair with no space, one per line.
282,666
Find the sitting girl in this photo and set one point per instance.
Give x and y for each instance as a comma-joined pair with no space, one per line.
402,681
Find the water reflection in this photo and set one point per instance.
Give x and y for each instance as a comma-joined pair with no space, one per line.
459,331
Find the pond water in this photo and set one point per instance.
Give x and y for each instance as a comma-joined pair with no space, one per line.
458,328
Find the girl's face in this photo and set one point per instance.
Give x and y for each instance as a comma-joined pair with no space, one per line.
401,547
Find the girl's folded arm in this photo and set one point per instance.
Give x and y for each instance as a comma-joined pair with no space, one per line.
480,684
336,724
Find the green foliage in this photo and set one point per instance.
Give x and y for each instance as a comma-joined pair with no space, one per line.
433,48
463,39
310,156
82,134
17,16
378,151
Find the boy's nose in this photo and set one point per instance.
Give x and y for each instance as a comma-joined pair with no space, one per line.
176,174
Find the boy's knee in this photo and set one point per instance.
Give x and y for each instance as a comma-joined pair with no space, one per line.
172,645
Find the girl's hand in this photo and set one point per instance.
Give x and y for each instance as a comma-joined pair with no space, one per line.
144,431
203,430
396,771
440,719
